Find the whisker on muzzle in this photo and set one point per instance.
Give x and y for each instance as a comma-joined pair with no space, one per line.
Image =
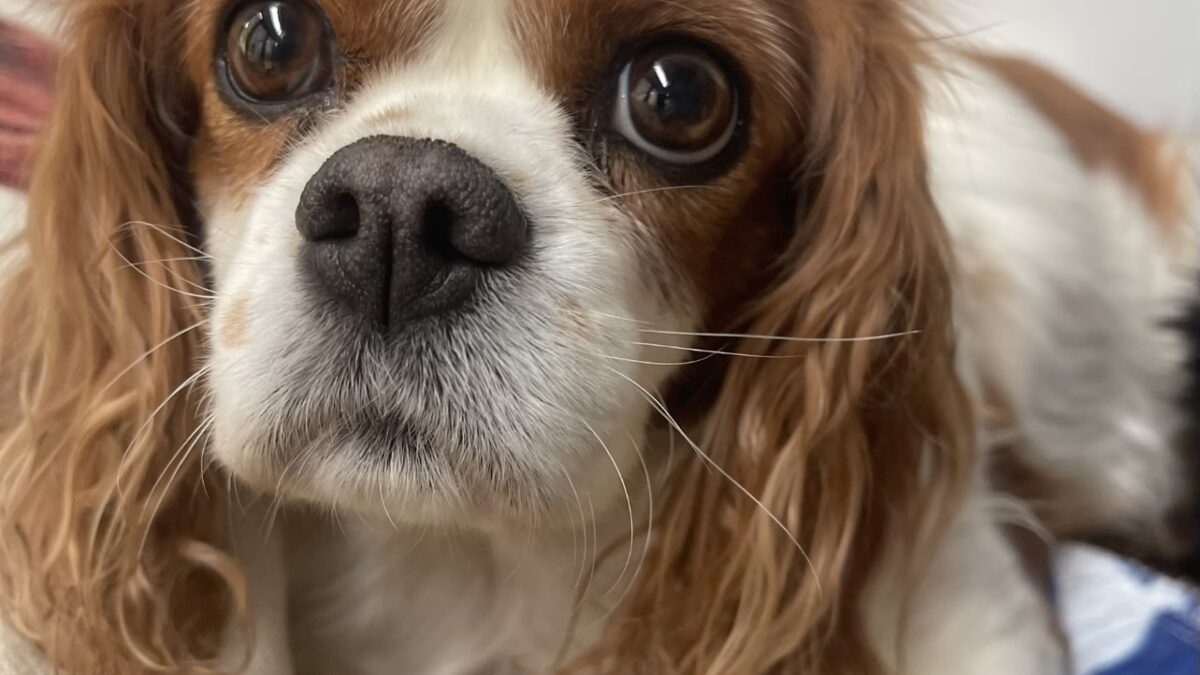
636,193
642,362
138,435
206,293
167,233
150,352
588,314
628,500
661,409
777,338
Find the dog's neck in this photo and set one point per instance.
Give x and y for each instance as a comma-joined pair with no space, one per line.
366,598
341,593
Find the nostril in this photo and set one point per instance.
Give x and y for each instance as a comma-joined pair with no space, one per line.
345,217
437,230
329,215
479,225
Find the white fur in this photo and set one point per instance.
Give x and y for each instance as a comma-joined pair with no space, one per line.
975,613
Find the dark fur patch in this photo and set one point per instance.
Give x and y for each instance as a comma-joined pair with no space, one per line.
1191,402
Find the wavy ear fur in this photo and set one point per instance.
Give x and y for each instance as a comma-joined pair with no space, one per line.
106,536
844,442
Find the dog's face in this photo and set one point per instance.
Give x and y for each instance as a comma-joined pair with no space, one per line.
459,247
456,258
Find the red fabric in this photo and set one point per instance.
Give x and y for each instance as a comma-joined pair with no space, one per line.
26,74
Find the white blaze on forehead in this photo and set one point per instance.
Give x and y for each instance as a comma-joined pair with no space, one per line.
474,36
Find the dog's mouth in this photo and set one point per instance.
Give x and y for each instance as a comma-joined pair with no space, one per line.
469,414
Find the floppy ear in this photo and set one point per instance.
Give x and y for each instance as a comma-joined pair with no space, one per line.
840,442
105,533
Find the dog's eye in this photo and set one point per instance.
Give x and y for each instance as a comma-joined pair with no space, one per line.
278,52
678,104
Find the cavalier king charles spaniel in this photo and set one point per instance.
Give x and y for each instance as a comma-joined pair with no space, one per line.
470,337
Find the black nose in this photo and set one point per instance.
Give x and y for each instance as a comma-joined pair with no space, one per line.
398,229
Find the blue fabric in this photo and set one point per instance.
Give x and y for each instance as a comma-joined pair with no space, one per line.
1123,619
1169,648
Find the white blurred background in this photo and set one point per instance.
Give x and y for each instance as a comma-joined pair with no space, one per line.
1140,56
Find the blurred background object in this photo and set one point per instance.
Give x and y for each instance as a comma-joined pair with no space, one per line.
26,68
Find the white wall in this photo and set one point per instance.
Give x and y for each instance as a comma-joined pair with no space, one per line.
31,12
1142,56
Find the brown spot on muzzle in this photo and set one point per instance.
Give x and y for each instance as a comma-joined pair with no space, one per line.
575,320
235,325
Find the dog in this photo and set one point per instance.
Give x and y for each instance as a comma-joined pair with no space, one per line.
523,336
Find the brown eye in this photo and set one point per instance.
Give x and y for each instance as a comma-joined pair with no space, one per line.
278,52
677,104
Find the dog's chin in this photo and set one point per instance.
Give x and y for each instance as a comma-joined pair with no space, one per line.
396,473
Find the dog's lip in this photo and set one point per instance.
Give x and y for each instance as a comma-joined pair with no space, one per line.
382,437
278,461
378,435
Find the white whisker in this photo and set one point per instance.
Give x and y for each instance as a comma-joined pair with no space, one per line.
386,512
595,551
640,362
189,382
637,193
662,409
152,350
179,459
163,261
718,352
301,459
628,503
163,231
612,316
581,559
181,455
156,282
777,338
645,542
